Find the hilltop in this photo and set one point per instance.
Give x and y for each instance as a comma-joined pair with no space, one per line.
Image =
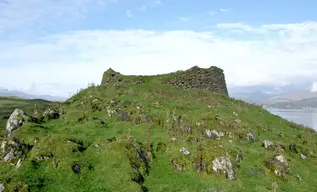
157,133
211,79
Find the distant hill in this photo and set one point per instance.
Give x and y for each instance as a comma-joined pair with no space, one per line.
20,94
299,99
8,104
294,96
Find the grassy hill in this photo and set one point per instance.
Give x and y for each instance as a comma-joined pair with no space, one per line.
8,104
152,137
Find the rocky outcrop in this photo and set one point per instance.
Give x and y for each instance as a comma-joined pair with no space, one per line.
224,165
51,114
211,79
13,151
18,117
278,165
15,120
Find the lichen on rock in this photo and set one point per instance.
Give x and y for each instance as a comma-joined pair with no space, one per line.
15,120
224,164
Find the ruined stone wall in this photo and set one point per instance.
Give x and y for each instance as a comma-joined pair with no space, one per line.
211,79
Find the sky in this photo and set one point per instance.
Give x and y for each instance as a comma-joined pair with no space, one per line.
57,47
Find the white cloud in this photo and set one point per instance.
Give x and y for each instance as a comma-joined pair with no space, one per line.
224,10
240,26
72,60
129,13
185,18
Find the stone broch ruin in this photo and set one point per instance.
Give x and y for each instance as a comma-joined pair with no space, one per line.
210,79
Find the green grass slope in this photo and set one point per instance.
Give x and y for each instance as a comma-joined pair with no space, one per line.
128,138
8,104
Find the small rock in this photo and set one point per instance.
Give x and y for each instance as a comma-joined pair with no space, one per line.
184,150
302,156
148,118
8,157
224,165
172,139
292,147
239,157
218,118
277,172
3,146
298,177
189,130
238,121
76,168
1,187
266,144
51,114
213,134
33,119
36,140
18,165
43,157
282,160
124,117
252,137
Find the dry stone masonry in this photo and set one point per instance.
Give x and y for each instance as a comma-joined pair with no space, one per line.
211,79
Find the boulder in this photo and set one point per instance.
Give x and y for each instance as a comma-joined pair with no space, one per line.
238,121
3,146
239,157
298,177
281,159
8,157
252,137
213,134
51,114
76,169
224,164
292,147
184,151
1,187
266,144
14,149
278,165
15,120
302,156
